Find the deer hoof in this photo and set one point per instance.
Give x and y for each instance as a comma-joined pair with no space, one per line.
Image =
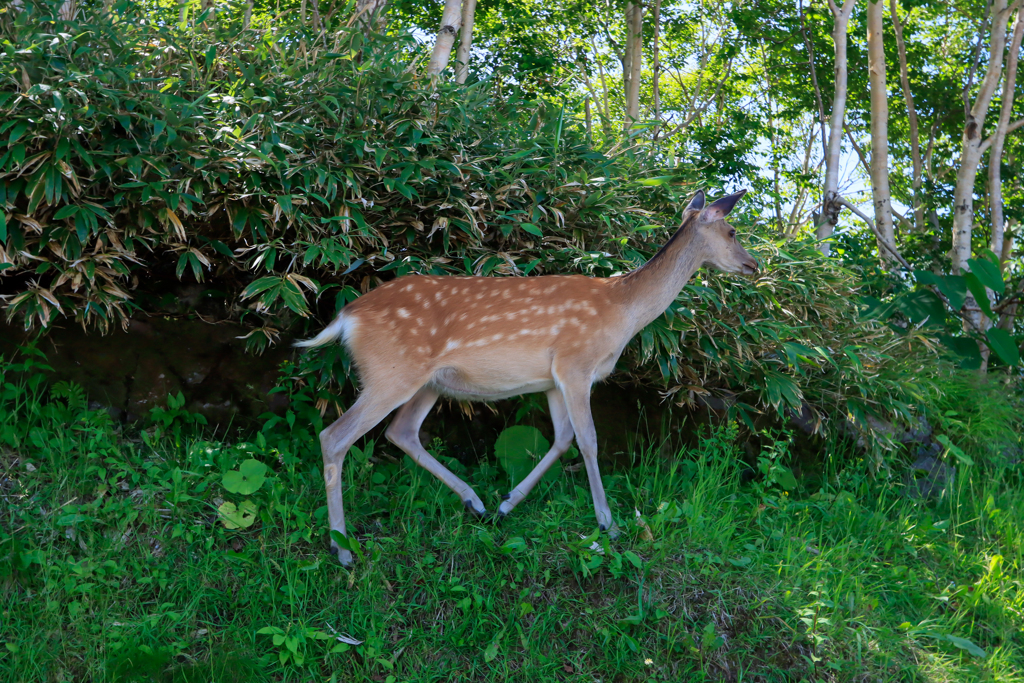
506,496
344,556
472,508
505,508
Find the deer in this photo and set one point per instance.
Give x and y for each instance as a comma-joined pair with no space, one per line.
418,337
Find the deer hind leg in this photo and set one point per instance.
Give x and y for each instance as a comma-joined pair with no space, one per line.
576,393
368,410
563,439
404,432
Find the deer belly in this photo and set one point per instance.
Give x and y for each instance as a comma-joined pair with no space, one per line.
487,386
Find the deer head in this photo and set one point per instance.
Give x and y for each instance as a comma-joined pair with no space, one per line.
721,249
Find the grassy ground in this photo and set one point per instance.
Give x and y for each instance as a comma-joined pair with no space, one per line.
115,565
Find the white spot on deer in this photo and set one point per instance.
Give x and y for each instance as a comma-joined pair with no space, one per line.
433,331
452,345
402,313
406,288
418,297
480,296
574,321
498,337
470,326
422,349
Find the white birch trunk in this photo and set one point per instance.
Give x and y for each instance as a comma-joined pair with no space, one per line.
971,145
465,41
908,97
995,155
656,61
880,192
451,19
634,47
247,17
829,203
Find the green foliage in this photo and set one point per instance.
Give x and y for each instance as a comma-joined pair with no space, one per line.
518,450
786,584
286,179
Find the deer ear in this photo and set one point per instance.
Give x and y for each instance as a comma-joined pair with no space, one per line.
721,208
697,203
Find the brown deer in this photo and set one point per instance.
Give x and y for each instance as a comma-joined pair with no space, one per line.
479,338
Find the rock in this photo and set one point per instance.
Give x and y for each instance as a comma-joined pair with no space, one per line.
928,477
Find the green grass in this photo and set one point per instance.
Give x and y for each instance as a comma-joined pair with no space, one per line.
115,565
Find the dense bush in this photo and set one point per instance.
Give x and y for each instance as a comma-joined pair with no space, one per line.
288,174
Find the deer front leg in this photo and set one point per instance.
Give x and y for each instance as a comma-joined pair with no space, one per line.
404,432
563,439
576,394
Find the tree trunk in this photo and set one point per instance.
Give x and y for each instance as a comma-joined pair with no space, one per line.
829,202
995,155
634,48
451,19
880,192
316,14
656,61
971,151
247,17
302,12
465,41
971,143
908,97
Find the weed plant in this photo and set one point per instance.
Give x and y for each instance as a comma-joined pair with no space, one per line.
168,555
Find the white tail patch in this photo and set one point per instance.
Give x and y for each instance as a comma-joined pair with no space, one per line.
340,328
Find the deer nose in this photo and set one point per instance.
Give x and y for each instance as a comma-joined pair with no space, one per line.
750,267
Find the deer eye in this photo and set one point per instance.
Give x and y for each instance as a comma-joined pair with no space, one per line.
732,233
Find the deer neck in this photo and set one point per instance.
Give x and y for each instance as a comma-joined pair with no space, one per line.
652,288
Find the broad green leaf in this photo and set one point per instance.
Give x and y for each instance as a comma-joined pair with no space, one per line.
65,211
988,273
247,479
964,347
519,448
967,645
979,293
241,517
532,229
920,306
952,287
785,477
1003,343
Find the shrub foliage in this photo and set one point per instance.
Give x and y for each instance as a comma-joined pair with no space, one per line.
287,173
